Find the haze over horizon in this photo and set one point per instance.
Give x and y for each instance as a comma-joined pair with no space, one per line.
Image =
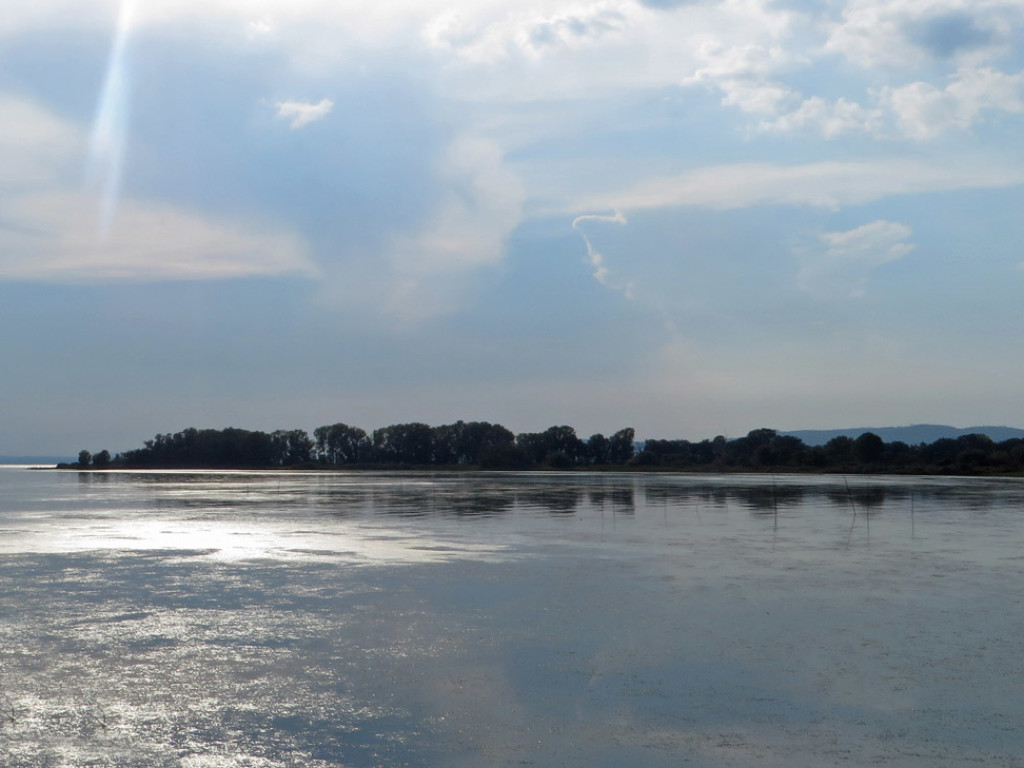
692,217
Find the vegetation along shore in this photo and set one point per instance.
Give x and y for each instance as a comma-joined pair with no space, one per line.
482,445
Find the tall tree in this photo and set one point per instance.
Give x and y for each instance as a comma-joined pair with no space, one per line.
597,449
341,444
620,446
868,447
404,444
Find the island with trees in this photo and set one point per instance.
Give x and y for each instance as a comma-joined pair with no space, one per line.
482,445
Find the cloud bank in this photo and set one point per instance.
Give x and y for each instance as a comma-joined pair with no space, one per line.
57,241
823,184
49,227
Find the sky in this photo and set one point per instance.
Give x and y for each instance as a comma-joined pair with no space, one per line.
692,217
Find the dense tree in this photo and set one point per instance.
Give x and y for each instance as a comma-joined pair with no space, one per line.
404,444
555,446
719,446
465,443
341,444
648,459
492,446
941,454
702,452
481,438
975,452
787,449
670,453
868,448
816,457
839,451
446,439
741,451
230,447
752,450
898,454
504,456
563,440
621,447
597,449
532,445
291,447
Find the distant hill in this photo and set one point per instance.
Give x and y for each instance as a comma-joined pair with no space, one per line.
912,435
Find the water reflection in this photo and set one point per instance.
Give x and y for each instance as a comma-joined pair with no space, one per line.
482,495
556,501
261,620
368,517
620,500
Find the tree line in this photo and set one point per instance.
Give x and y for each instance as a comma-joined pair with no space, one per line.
462,444
480,444
767,450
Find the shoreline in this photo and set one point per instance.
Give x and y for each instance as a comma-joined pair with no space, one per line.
473,470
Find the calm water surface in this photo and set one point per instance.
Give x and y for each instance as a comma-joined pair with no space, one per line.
260,620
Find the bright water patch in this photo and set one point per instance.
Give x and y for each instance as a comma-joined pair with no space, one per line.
265,620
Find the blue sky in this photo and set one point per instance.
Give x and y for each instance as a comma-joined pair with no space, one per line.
694,218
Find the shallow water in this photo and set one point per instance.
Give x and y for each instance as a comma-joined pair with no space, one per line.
212,620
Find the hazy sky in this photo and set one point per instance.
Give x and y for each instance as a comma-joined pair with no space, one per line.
695,217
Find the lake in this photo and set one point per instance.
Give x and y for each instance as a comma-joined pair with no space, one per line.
272,620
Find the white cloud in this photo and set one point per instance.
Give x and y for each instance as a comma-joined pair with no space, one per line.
917,111
259,28
53,237
525,32
503,51
923,111
744,72
761,98
827,185
303,113
479,203
870,34
751,62
745,49
830,119
843,261
513,53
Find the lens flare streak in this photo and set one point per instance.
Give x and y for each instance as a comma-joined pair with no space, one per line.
110,125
